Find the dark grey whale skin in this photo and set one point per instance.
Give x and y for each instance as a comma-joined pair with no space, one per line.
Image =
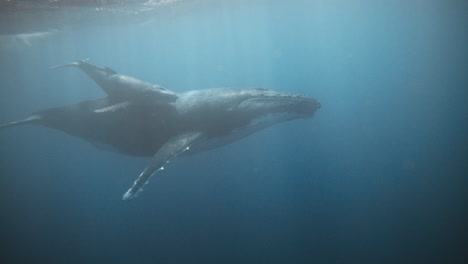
189,124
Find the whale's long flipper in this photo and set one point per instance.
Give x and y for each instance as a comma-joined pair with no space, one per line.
73,64
170,149
113,107
28,120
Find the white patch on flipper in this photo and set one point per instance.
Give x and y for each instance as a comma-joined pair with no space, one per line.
128,196
112,108
169,150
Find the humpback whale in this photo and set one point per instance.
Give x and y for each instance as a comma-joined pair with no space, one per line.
196,121
122,89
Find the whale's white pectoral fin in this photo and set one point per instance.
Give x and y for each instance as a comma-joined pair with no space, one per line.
113,108
170,149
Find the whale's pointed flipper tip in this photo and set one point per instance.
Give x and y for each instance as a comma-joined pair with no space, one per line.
75,64
129,195
170,149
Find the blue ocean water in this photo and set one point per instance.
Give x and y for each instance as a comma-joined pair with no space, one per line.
377,176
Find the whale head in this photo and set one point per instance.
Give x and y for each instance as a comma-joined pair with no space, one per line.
263,103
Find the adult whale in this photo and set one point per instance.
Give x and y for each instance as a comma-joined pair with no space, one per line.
196,121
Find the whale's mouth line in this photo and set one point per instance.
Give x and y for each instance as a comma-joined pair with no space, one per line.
281,107
273,118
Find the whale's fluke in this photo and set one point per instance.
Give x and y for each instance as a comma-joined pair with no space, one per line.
29,120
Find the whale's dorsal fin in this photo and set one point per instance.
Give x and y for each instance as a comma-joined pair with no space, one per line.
170,149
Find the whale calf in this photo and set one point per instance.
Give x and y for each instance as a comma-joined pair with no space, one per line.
196,121
122,89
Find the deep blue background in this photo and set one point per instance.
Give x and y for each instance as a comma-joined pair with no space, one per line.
377,176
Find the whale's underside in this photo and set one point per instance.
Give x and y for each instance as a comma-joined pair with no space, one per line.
136,130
